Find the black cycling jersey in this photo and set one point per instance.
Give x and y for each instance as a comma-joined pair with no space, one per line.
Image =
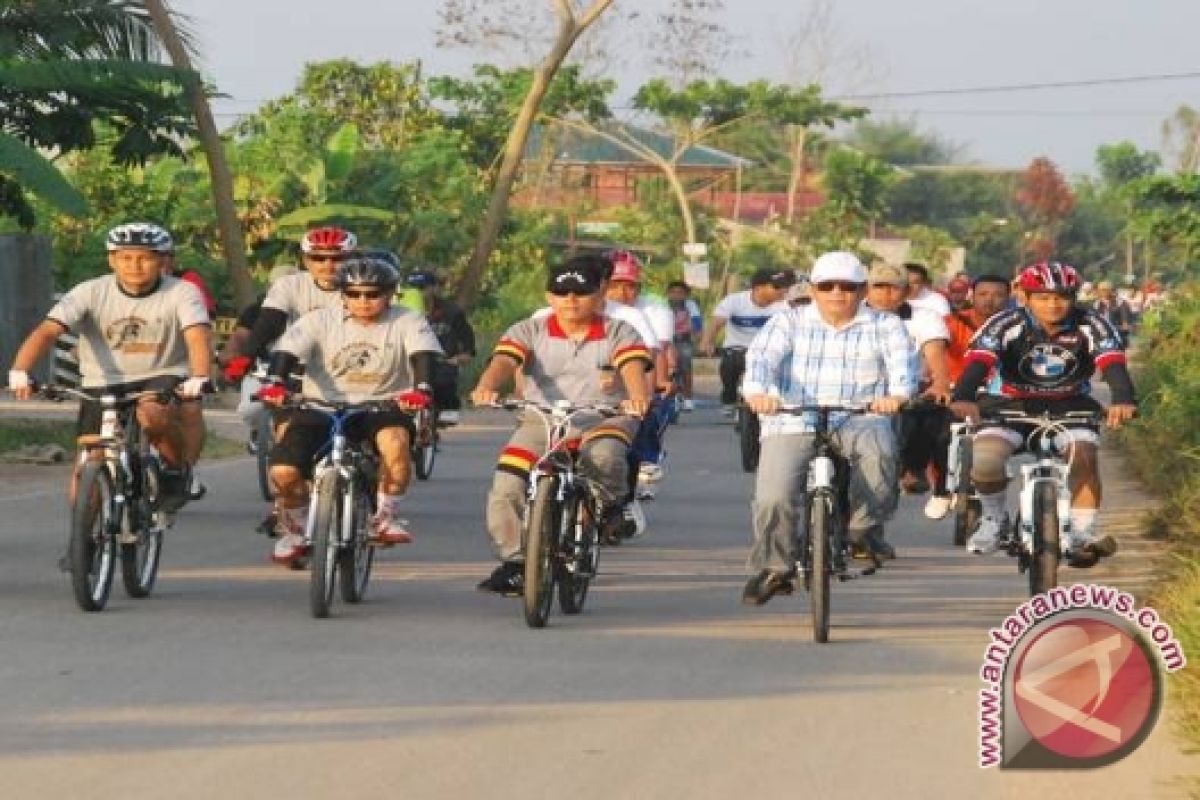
1034,364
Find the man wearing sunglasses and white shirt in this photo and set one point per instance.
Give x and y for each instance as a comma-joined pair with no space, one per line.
835,351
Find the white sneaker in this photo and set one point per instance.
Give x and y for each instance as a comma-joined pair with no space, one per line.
689,404
937,506
1077,540
388,529
986,537
288,548
650,472
450,416
634,514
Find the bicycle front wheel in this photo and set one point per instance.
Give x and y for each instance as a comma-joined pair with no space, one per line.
324,538
92,549
140,557
264,440
541,548
820,533
424,448
581,538
356,558
748,440
1043,561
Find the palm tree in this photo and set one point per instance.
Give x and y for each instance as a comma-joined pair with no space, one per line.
75,74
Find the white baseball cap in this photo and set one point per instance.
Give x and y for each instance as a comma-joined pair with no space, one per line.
838,266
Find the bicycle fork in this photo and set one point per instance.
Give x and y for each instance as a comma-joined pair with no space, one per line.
1045,471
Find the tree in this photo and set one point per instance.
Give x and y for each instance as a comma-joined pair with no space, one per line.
573,20
689,43
932,246
900,143
71,68
1167,215
1181,139
1043,199
855,187
1120,165
232,242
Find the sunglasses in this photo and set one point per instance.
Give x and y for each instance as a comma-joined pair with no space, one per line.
849,287
356,294
320,259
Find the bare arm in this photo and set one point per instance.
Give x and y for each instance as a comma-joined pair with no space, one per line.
633,376
708,341
934,354
36,345
500,372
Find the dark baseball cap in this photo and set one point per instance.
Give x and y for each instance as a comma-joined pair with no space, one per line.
577,275
779,278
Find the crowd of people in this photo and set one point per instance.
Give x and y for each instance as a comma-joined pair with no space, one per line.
351,324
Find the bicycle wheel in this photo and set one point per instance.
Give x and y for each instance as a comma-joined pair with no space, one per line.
140,558
541,547
424,446
580,536
264,438
748,440
966,516
820,532
92,549
324,537
1043,561
356,558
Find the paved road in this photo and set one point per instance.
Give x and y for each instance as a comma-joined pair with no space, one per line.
221,685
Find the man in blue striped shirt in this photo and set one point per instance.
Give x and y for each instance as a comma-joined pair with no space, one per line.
835,351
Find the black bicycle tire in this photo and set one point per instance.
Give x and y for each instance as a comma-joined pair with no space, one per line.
819,533
424,456
580,531
140,560
541,543
1043,561
323,570
81,549
357,557
264,440
966,516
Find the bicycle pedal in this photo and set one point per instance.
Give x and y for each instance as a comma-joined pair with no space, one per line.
124,537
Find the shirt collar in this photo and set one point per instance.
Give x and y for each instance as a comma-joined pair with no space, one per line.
595,331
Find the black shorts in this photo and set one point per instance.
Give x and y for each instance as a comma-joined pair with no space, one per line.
308,434
88,420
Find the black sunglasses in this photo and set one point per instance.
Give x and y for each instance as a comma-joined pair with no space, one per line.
370,294
325,258
846,286
576,292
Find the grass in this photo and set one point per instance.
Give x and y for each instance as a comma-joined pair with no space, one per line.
15,433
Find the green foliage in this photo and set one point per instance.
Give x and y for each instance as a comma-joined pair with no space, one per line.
1122,162
1167,215
932,246
900,143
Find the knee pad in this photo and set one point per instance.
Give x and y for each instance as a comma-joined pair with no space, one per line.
989,457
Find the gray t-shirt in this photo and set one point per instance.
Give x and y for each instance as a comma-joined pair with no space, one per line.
297,295
558,367
352,362
125,338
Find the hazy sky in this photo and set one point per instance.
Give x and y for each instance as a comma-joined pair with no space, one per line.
254,50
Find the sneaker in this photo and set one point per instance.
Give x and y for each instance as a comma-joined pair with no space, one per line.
688,404
388,529
196,489
634,520
288,548
1085,546
651,472
986,538
450,416
765,585
173,490
507,580
937,506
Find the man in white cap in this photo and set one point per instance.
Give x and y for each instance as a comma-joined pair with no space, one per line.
835,351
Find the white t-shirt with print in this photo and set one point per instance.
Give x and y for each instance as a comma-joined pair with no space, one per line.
744,318
125,338
297,295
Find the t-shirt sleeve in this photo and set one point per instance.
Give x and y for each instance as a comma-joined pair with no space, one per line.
279,295
190,306
661,322
627,345
517,342
724,309
928,327
72,307
1104,340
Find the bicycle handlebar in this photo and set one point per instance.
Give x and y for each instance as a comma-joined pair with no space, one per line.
60,393
562,408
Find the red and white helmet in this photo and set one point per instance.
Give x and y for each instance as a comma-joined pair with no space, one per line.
330,238
1049,276
626,266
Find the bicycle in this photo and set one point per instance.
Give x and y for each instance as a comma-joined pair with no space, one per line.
262,439
340,508
561,523
823,550
115,513
745,422
424,445
964,498
1043,524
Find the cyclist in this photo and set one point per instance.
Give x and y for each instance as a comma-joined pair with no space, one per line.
1044,352
454,331
138,331
834,351
741,315
919,430
688,326
368,351
921,293
292,297
1113,308
564,356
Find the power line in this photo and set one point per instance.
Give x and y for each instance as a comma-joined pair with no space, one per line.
1026,87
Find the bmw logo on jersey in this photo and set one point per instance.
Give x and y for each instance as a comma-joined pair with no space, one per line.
1048,364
